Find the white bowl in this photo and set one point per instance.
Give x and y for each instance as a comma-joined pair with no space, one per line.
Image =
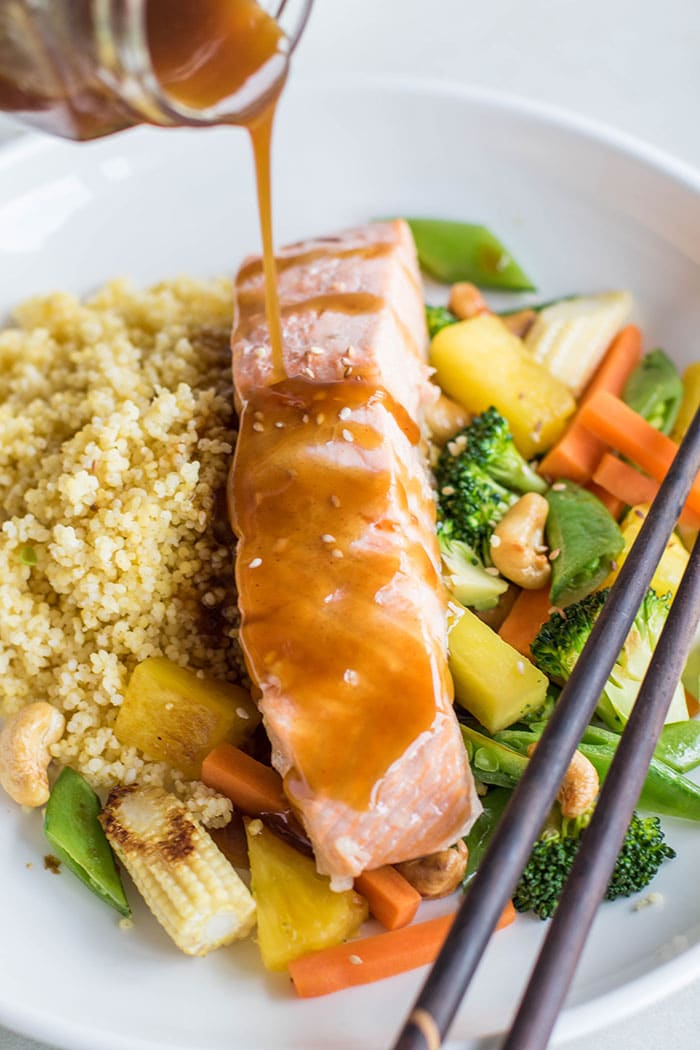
582,209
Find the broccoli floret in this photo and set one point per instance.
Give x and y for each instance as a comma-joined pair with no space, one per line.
560,640
490,445
438,317
643,852
470,502
466,577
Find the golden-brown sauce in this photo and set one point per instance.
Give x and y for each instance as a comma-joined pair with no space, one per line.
329,552
329,250
204,51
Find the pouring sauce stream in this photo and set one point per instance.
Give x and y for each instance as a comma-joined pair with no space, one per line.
206,51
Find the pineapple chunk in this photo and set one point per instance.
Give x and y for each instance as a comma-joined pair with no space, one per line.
667,578
492,680
298,912
173,716
481,363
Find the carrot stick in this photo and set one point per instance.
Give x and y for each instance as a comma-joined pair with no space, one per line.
250,785
628,485
614,422
575,456
529,612
391,897
614,505
373,958
256,789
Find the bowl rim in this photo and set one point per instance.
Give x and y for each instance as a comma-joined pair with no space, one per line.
669,976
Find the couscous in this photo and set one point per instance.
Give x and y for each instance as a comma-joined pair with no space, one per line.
116,433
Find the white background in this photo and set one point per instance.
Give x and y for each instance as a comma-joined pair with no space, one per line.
634,64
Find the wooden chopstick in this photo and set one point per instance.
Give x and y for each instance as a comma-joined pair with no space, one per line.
523,818
591,871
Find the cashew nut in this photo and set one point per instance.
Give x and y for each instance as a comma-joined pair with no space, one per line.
467,301
24,752
445,418
579,788
437,874
516,543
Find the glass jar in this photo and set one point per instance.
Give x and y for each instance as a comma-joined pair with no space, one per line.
86,68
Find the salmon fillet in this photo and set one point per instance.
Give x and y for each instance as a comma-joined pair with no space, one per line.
343,611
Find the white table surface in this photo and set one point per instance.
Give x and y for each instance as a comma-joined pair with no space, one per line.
634,64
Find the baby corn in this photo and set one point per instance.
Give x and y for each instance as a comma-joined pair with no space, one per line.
570,337
190,887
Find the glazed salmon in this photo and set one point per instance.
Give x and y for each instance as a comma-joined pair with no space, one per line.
342,605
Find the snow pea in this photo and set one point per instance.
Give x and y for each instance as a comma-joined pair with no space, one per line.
77,838
461,251
586,537
494,802
492,761
655,390
678,746
665,790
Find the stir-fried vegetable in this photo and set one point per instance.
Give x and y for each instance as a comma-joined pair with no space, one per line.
493,681
480,363
72,827
570,337
584,540
655,390
560,641
461,251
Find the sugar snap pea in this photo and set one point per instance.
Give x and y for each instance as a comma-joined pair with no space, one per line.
77,838
655,390
665,790
461,251
586,539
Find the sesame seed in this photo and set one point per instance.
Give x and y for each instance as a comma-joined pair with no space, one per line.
327,538
520,666
495,540
355,960
349,350
308,372
348,372
320,418
335,502
169,706
559,487
348,435
258,415
242,713
553,555
279,424
350,676
336,553
447,490
613,565
255,563
305,418
316,350
255,827
492,570
258,426
344,413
